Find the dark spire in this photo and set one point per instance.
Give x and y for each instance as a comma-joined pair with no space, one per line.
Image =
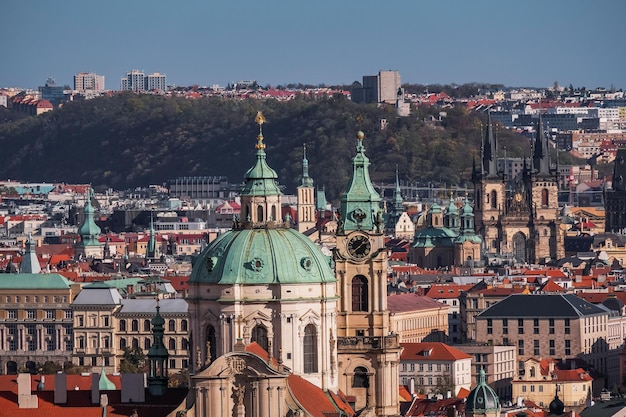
541,154
306,180
158,357
490,162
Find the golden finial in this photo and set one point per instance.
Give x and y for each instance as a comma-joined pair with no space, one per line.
260,119
359,120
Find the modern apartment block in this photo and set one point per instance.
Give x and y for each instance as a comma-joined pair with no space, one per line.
381,88
138,81
89,82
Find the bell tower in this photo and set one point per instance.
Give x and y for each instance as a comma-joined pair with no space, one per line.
368,353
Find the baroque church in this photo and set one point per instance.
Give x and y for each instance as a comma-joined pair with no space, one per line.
518,216
275,330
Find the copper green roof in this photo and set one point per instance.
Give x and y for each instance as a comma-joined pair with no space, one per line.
89,230
361,203
262,256
306,180
433,236
34,282
104,383
482,398
261,180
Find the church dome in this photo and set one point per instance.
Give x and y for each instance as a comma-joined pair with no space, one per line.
556,406
261,250
482,398
262,256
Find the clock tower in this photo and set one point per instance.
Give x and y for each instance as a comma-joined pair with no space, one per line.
368,354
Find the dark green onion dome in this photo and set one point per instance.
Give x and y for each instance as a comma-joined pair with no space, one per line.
557,407
262,256
483,398
259,249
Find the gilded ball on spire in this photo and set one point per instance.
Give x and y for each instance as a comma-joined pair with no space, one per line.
360,135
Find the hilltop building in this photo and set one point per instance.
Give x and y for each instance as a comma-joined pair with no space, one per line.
522,220
89,82
380,88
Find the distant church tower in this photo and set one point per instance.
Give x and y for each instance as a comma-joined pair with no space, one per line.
89,245
523,221
30,262
489,192
306,199
615,198
368,353
151,249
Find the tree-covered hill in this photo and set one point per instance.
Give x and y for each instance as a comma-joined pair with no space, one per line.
131,140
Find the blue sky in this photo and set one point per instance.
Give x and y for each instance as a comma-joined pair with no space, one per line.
205,42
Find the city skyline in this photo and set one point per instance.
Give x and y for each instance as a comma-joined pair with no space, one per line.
523,44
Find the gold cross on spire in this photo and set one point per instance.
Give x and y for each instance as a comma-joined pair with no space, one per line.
260,119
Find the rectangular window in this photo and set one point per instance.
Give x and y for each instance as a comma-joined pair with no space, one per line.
172,363
106,321
404,367
81,321
505,341
568,347
552,349
532,388
536,347
523,388
31,314
421,367
412,367
49,314
12,314
430,367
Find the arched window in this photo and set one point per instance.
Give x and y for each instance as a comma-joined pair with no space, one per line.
146,343
172,325
122,344
532,372
135,343
134,326
544,197
494,199
360,378
259,335
359,293
310,349
212,341
519,246
183,325
172,344
107,342
185,344
122,325
274,213
146,325
259,214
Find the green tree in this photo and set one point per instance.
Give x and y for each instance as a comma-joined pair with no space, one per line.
72,369
133,361
49,368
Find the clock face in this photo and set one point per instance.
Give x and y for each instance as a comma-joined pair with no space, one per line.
359,246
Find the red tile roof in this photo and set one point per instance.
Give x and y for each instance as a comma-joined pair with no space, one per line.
401,303
427,407
446,291
315,401
431,351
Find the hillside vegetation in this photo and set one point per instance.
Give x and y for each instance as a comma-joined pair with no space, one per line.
131,140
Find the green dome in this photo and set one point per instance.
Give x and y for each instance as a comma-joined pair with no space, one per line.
482,398
431,236
262,256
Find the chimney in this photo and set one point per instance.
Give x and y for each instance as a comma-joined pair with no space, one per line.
412,387
60,388
24,397
95,388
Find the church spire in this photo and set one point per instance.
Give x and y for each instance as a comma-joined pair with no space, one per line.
489,149
306,180
397,195
260,196
30,262
151,249
360,205
158,357
541,154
